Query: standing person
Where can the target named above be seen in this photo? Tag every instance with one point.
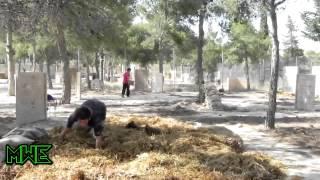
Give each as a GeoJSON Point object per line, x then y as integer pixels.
{"type": "Point", "coordinates": [126, 85]}
{"type": "Point", "coordinates": [90, 117]}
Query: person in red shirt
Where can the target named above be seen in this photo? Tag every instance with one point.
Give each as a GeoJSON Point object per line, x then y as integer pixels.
{"type": "Point", "coordinates": [126, 85]}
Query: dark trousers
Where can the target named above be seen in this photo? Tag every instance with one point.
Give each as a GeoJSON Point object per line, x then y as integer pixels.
{"type": "Point", "coordinates": [126, 87]}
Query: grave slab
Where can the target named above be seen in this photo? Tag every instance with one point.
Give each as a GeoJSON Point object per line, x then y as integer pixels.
{"type": "Point", "coordinates": [305, 92]}
{"type": "Point", "coordinates": [141, 80]}
{"type": "Point", "coordinates": [157, 83]}
{"type": "Point", "coordinates": [31, 97]}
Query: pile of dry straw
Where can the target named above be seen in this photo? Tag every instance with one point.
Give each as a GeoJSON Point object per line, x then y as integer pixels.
{"type": "Point", "coordinates": [179, 152]}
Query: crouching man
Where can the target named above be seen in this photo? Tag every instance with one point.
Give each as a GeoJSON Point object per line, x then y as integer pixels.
{"type": "Point", "coordinates": [90, 116]}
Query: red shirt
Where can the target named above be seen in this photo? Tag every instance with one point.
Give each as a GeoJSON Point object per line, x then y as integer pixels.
{"type": "Point", "coordinates": [126, 77]}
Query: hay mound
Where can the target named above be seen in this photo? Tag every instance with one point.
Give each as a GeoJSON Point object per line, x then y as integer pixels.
{"type": "Point", "coordinates": [180, 151]}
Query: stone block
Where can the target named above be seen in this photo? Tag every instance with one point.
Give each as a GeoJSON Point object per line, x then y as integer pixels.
{"type": "Point", "coordinates": [235, 84]}
{"type": "Point", "coordinates": [157, 83]}
{"type": "Point", "coordinates": [141, 80]}
{"type": "Point", "coordinates": [305, 92]}
{"type": "Point", "coordinates": [31, 97]}
{"type": "Point", "coordinates": [58, 77]}
{"type": "Point", "coordinates": [3, 76]}
{"type": "Point", "coordinates": [73, 76]}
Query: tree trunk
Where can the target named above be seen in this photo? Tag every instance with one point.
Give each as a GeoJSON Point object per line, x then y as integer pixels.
{"type": "Point", "coordinates": [34, 56]}
{"type": "Point", "coordinates": [78, 61]}
{"type": "Point", "coordinates": [88, 74]}
{"type": "Point", "coordinates": [160, 62]}
{"type": "Point", "coordinates": [11, 62]}
{"type": "Point", "coordinates": [19, 66]}
{"type": "Point", "coordinates": [270, 121]}
{"type": "Point", "coordinates": [200, 80]}
{"type": "Point", "coordinates": [66, 97]}
{"type": "Point", "coordinates": [97, 64]}
{"type": "Point", "coordinates": [126, 58]}
{"type": "Point", "coordinates": [247, 73]}
{"type": "Point", "coordinates": [102, 69]}
{"type": "Point", "coordinates": [41, 66]}
{"type": "Point", "coordinates": [49, 75]}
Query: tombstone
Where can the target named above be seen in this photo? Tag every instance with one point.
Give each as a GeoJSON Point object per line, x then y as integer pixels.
{"type": "Point", "coordinates": [141, 80]}
{"type": "Point", "coordinates": [305, 85]}
{"type": "Point", "coordinates": [31, 97]}
{"type": "Point", "coordinates": [305, 92]}
{"type": "Point", "coordinates": [73, 77]}
{"type": "Point", "coordinates": [157, 83]}
{"type": "Point", "coordinates": [304, 65]}
{"type": "Point", "coordinates": [234, 84]}
{"type": "Point", "coordinates": [78, 86]}
{"type": "Point", "coordinates": [58, 77]}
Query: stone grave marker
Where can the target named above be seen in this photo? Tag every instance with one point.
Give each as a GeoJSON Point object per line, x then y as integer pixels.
{"type": "Point", "coordinates": [31, 97]}
{"type": "Point", "coordinates": [157, 83]}
{"type": "Point", "coordinates": [141, 80]}
{"type": "Point", "coordinates": [305, 92]}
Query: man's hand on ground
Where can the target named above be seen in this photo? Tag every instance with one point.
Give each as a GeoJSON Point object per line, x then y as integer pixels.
{"type": "Point", "coordinates": [64, 133]}
{"type": "Point", "coordinates": [98, 142]}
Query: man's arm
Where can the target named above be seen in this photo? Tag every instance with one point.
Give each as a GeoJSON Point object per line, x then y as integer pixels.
{"type": "Point", "coordinates": [98, 134]}
{"type": "Point", "coordinates": [70, 122]}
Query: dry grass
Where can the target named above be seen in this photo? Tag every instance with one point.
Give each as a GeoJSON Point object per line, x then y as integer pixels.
{"type": "Point", "coordinates": [179, 152]}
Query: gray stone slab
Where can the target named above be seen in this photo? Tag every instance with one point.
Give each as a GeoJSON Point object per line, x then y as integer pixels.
{"type": "Point", "coordinates": [235, 84]}
{"type": "Point", "coordinates": [58, 77]}
{"type": "Point", "coordinates": [31, 97]}
{"type": "Point", "coordinates": [141, 80]}
{"type": "Point", "coordinates": [73, 76]}
{"type": "Point", "coordinates": [157, 83]}
{"type": "Point", "coordinates": [305, 92]}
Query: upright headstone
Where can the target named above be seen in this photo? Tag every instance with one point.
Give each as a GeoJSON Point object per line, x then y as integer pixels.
{"type": "Point", "coordinates": [58, 77]}
{"type": "Point", "coordinates": [141, 80]}
{"type": "Point", "coordinates": [305, 86]}
{"type": "Point", "coordinates": [78, 86]}
{"type": "Point", "coordinates": [235, 84]}
{"type": "Point", "coordinates": [73, 76]}
{"type": "Point", "coordinates": [31, 97]}
{"type": "Point", "coordinates": [157, 83]}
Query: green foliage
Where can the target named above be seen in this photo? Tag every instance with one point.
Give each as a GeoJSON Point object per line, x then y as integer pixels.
{"type": "Point", "coordinates": [246, 42]}
{"type": "Point", "coordinates": [292, 49]}
{"type": "Point", "coordinates": [212, 54]}
{"type": "Point", "coordinates": [312, 22]}
{"type": "Point", "coordinates": [314, 56]}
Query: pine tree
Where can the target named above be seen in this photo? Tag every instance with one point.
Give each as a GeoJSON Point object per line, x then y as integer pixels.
{"type": "Point", "coordinates": [292, 50]}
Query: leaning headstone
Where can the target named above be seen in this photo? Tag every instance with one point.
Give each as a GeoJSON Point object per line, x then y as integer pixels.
{"type": "Point", "coordinates": [305, 92]}
{"type": "Point", "coordinates": [31, 97]}
{"type": "Point", "coordinates": [213, 98]}
{"type": "Point", "coordinates": [141, 80]}
{"type": "Point", "coordinates": [157, 83]}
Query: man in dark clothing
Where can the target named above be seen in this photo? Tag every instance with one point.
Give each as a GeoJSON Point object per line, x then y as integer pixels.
{"type": "Point", "coordinates": [91, 115]}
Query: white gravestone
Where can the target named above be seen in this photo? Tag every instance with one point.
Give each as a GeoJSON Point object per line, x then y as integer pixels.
{"type": "Point", "coordinates": [31, 97]}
